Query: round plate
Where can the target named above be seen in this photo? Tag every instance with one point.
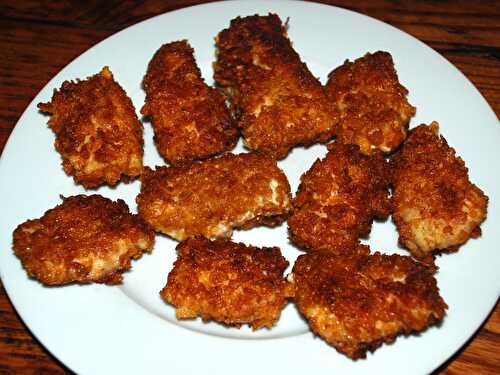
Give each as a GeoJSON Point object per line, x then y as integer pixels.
{"type": "Point", "coordinates": [127, 329]}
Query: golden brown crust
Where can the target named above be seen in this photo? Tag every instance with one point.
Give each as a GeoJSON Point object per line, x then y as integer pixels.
{"type": "Point", "coordinates": [213, 197]}
{"type": "Point", "coordinates": [97, 130]}
{"type": "Point", "coordinates": [278, 102]}
{"type": "Point", "coordinates": [357, 302]}
{"type": "Point", "coordinates": [190, 119]}
{"type": "Point", "coordinates": [338, 198]}
{"type": "Point", "coordinates": [436, 207]}
{"type": "Point", "coordinates": [227, 282]}
{"type": "Point", "coordinates": [84, 239]}
{"type": "Point", "coordinates": [372, 103]}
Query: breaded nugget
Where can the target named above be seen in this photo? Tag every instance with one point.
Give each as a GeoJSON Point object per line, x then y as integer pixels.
{"type": "Point", "coordinates": [97, 131]}
{"type": "Point", "coordinates": [227, 282]}
{"type": "Point", "coordinates": [213, 197]}
{"type": "Point", "coordinates": [84, 239]}
{"type": "Point", "coordinates": [338, 198]}
{"type": "Point", "coordinates": [372, 103]}
{"type": "Point", "coordinates": [357, 302]}
{"type": "Point", "coordinates": [436, 207]}
{"type": "Point", "coordinates": [278, 102]}
{"type": "Point", "coordinates": [190, 119]}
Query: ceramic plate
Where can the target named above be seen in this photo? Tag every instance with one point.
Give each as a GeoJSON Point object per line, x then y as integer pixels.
{"type": "Point", "coordinates": [127, 329]}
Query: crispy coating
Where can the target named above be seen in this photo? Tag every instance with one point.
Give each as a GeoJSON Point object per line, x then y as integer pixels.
{"type": "Point", "coordinates": [227, 282]}
{"type": "Point", "coordinates": [338, 198]}
{"type": "Point", "coordinates": [213, 197]}
{"type": "Point", "coordinates": [278, 102]}
{"type": "Point", "coordinates": [356, 302]}
{"type": "Point", "coordinates": [436, 207]}
{"type": "Point", "coordinates": [190, 119]}
{"type": "Point", "coordinates": [97, 130]}
{"type": "Point", "coordinates": [372, 103]}
{"type": "Point", "coordinates": [84, 239]}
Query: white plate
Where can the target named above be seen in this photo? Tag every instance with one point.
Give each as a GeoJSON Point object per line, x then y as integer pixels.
{"type": "Point", "coordinates": [127, 329]}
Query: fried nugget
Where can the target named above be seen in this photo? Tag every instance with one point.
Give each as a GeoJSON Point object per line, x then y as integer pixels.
{"type": "Point", "coordinates": [213, 197]}
{"type": "Point", "coordinates": [190, 119]}
{"type": "Point", "coordinates": [356, 302]}
{"type": "Point", "coordinates": [338, 198]}
{"type": "Point", "coordinates": [227, 282]}
{"type": "Point", "coordinates": [374, 112]}
{"type": "Point", "coordinates": [84, 239]}
{"type": "Point", "coordinates": [436, 207]}
{"type": "Point", "coordinates": [97, 130]}
{"type": "Point", "coordinates": [278, 102]}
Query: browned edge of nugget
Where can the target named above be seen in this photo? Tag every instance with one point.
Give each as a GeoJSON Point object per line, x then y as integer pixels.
{"type": "Point", "coordinates": [358, 302]}
{"type": "Point", "coordinates": [279, 104]}
{"type": "Point", "coordinates": [372, 103]}
{"type": "Point", "coordinates": [190, 119]}
{"type": "Point", "coordinates": [227, 282]}
{"type": "Point", "coordinates": [436, 207]}
{"type": "Point", "coordinates": [338, 198]}
{"type": "Point", "coordinates": [97, 130]}
{"type": "Point", "coordinates": [84, 239]}
{"type": "Point", "coordinates": [213, 197]}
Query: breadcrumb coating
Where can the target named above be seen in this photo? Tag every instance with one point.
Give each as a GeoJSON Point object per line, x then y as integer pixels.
{"type": "Point", "coordinates": [190, 119]}
{"type": "Point", "coordinates": [97, 130]}
{"type": "Point", "coordinates": [227, 282]}
{"type": "Point", "coordinates": [338, 198]}
{"type": "Point", "coordinates": [213, 197]}
{"type": "Point", "coordinates": [279, 104]}
{"type": "Point", "coordinates": [374, 111]}
{"type": "Point", "coordinates": [84, 239]}
{"type": "Point", "coordinates": [436, 207]}
{"type": "Point", "coordinates": [356, 302]}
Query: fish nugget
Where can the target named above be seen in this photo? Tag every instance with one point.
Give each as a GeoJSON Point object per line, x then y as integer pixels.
{"type": "Point", "coordinates": [84, 239]}
{"type": "Point", "coordinates": [190, 119]}
{"type": "Point", "coordinates": [436, 207]}
{"type": "Point", "coordinates": [213, 197]}
{"type": "Point", "coordinates": [97, 130]}
{"type": "Point", "coordinates": [356, 302]}
{"type": "Point", "coordinates": [374, 111]}
{"type": "Point", "coordinates": [227, 282]}
{"type": "Point", "coordinates": [337, 199]}
{"type": "Point", "coordinates": [279, 104]}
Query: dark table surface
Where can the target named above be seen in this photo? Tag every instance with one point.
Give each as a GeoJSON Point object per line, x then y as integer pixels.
{"type": "Point", "coordinates": [38, 38]}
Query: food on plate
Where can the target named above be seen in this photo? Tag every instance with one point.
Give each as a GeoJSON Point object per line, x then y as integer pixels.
{"type": "Point", "coordinates": [374, 111]}
{"type": "Point", "coordinates": [356, 302]}
{"type": "Point", "coordinates": [84, 239]}
{"type": "Point", "coordinates": [278, 103]}
{"type": "Point", "coordinates": [190, 119]}
{"type": "Point", "coordinates": [338, 198]}
{"type": "Point", "coordinates": [213, 197]}
{"type": "Point", "coordinates": [97, 130]}
{"type": "Point", "coordinates": [227, 282]}
{"type": "Point", "coordinates": [436, 207]}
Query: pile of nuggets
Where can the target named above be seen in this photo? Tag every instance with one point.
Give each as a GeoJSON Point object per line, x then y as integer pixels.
{"type": "Point", "coordinates": [354, 299]}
